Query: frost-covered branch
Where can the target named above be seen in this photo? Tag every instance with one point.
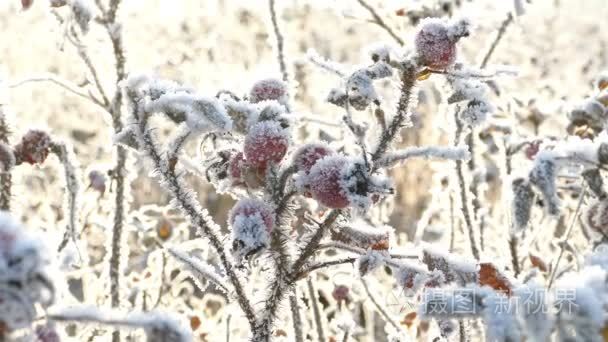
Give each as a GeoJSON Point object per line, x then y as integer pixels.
{"type": "Point", "coordinates": [199, 269]}
{"type": "Point", "coordinates": [449, 153]}
{"type": "Point", "coordinates": [185, 200]}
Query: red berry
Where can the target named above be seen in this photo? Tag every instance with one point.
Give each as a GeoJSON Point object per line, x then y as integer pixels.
{"type": "Point", "coordinates": [307, 155]}
{"type": "Point", "coordinates": [97, 181]}
{"type": "Point", "coordinates": [269, 89]}
{"type": "Point", "coordinates": [340, 293]}
{"type": "Point", "coordinates": [34, 147]}
{"type": "Point", "coordinates": [251, 209]}
{"type": "Point", "coordinates": [265, 143]}
{"type": "Point", "coordinates": [532, 149]}
{"type": "Point", "coordinates": [236, 167]}
{"type": "Point", "coordinates": [326, 182]}
{"type": "Point", "coordinates": [434, 46]}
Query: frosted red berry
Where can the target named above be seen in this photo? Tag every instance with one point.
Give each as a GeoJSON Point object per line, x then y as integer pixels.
{"type": "Point", "coordinates": [266, 143]}
{"type": "Point", "coordinates": [434, 46]}
{"type": "Point", "coordinates": [250, 209]}
{"type": "Point", "coordinates": [34, 147]}
{"type": "Point", "coordinates": [236, 167]}
{"type": "Point", "coordinates": [325, 182]}
{"type": "Point", "coordinates": [307, 155]}
{"type": "Point", "coordinates": [268, 89]}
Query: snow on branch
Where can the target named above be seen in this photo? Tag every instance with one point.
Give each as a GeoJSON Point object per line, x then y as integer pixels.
{"type": "Point", "coordinates": [439, 152]}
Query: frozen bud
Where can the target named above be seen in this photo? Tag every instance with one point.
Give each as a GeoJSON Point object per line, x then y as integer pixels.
{"type": "Point", "coordinates": [242, 114]}
{"type": "Point", "coordinates": [360, 90]}
{"type": "Point", "coordinates": [380, 53]}
{"type": "Point", "coordinates": [236, 168]}
{"type": "Point", "coordinates": [380, 70]}
{"type": "Point", "coordinates": [206, 112]}
{"type": "Point", "coordinates": [83, 13]}
{"type": "Point", "coordinates": [265, 143]}
{"type": "Point", "coordinates": [542, 176]}
{"type": "Point", "coordinates": [436, 42]}
{"type": "Point", "coordinates": [251, 221]}
{"type": "Point", "coordinates": [337, 97]}
{"type": "Point", "coordinates": [307, 155]}
{"type": "Point", "coordinates": [7, 157]}
{"type": "Point", "coordinates": [97, 181]}
{"type": "Point", "coordinates": [269, 89]}
{"type": "Point", "coordinates": [34, 147]}
{"type": "Point", "coordinates": [340, 293]}
{"type": "Point", "coordinates": [476, 112]}
{"type": "Point", "coordinates": [273, 111]}
{"type": "Point", "coordinates": [523, 199]}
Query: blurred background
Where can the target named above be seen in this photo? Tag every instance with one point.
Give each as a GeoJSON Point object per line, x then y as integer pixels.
{"type": "Point", "coordinates": [556, 47]}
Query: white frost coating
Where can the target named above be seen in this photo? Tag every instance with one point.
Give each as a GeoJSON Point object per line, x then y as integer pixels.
{"type": "Point", "coordinates": [440, 152]}
{"type": "Point", "coordinates": [202, 113]}
{"type": "Point", "coordinates": [199, 270]}
{"type": "Point", "coordinates": [360, 89]}
{"type": "Point", "coordinates": [22, 261]}
{"type": "Point", "coordinates": [500, 317]}
{"type": "Point", "coordinates": [325, 64]}
{"type": "Point", "coordinates": [380, 70]}
{"type": "Point", "coordinates": [599, 257]}
{"type": "Point", "coordinates": [159, 327]}
{"type": "Point", "coordinates": [243, 113]}
{"type": "Point", "coordinates": [476, 112]}
{"type": "Point", "coordinates": [379, 51]}
{"type": "Point", "coordinates": [574, 151]}
{"type": "Point", "coordinates": [582, 297]}
{"type": "Point", "coordinates": [458, 28]}
{"type": "Point", "coordinates": [533, 305]}
{"type": "Point", "coordinates": [543, 176]}
{"type": "Point", "coordinates": [370, 261]}
{"type": "Point", "coordinates": [251, 221]}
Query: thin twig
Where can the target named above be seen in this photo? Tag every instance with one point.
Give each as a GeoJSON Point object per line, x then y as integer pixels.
{"type": "Point", "coordinates": [379, 307]}
{"type": "Point", "coordinates": [464, 192]}
{"type": "Point", "coordinates": [280, 41]}
{"type": "Point", "coordinates": [499, 35]}
{"type": "Point", "coordinates": [305, 271]}
{"type": "Point", "coordinates": [316, 311]}
{"type": "Point", "coordinates": [296, 317]}
{"type": "Point", "coordinates": [568, 233]}
{"type": "Point", "coordinates": [378, 19]}
{"type": "Point", "coordinates": [60, 82]}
